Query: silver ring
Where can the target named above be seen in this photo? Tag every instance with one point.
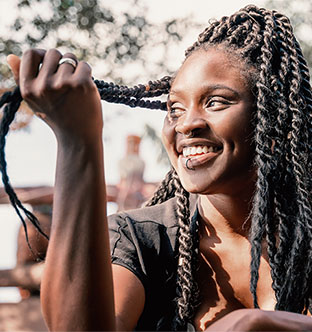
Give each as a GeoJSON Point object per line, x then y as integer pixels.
{"type": "Point", "coordinates": [187, 166]}
{"type": "Point", "coordinates": [70, 61]}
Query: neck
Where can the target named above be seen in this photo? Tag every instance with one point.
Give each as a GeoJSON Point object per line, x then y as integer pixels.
{"type": "Point", "coordinates": [228, 214]}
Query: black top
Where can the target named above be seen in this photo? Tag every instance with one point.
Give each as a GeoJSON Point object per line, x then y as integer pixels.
{"type": "Point", "coordinates": [145, 242]}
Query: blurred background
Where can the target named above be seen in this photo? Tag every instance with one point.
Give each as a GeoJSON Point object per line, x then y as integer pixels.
{"type": "Point", "coordinates": [127, 42]}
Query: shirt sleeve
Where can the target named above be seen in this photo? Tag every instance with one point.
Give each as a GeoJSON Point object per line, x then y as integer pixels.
{"type": "Point", "coordinates": [126, 247]}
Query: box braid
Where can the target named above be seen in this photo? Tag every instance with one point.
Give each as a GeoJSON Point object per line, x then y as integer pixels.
{"type": "Point", "coordinates": [279, 78]}
{"type": "Point", "coordinates": [188, 239]}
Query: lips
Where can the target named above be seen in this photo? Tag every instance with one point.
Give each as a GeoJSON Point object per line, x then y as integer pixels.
{"type": "Point", "coordinates": [198, 152]}
{"type": "Point", "coordinates": [191, 151]}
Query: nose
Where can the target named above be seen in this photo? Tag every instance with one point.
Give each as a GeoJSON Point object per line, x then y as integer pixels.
{"type": "Point", "coordinates": [191, 122]}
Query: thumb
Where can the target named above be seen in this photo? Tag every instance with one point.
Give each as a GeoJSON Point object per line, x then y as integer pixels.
{"type": "Point", "coordinates": [14, 62]}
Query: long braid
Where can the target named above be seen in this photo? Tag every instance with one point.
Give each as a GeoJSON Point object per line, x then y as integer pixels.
{"type": "Point", "coordinates": [12, 102]}
{"type": "Point", "coordinates": [187, 287]}
{"type": "Point", "coordinates": [277, 83]}
{"type": "Point", "coordinates": [262, 212]}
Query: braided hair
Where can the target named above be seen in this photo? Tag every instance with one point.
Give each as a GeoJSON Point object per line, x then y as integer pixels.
{"type": "Point", "coordinates": [282, 211]}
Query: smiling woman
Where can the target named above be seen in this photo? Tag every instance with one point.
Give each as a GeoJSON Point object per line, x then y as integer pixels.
{"type": "Point", "coordinates": [225, 242]}
{"type": "Point", "coordinates": [210, 98]}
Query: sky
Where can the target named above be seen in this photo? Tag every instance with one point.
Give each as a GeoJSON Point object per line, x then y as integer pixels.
{"type": "Point", "coordinates": [31, 154]}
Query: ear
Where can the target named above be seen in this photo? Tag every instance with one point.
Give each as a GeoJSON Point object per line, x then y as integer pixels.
{"type": "Point", "coordinates": [14, 62]}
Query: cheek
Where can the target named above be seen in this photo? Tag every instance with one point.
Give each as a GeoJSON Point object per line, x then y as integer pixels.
{"type": "Point", "coordinates": [237, 126]}
{"type": "Point", "coordinates": [168, 134]}
{"type": "Point", "coordinates": [169, 141]}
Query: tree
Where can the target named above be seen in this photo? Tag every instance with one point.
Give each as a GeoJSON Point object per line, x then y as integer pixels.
{"type": "Point", "coordinates": [118, 43]}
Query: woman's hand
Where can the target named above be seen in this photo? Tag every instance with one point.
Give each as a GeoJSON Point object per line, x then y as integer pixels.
{"type": "Point", "coordinates": [261, 320]}
{"type": "Point", "coordinates": [63, 96]}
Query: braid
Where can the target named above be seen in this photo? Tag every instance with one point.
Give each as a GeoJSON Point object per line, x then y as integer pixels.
{"type": "Point", "coordinates": [133, 96]}
{"type": "Point", "coordinates": [8, 115]}
{"type": "Point", "coordinates": [187, 288]}
{"type": "Point", "coordinates": [280, 139]}
{"type": "Point", "coordinates": [261, 213]}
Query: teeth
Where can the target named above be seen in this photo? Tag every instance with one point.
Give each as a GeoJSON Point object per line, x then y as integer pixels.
{"type": "Point", "coordinates": [199, 150]}
{"type": "Point", "coordinates": [194, 150]}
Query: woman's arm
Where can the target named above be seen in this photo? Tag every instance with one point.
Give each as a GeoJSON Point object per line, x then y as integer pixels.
{"type": "Point", "coordinates": [261, 320]}
{"type": "Point", "coordinates": [77, 286]}
{"type": "Point", "coordinates": [76, 289]}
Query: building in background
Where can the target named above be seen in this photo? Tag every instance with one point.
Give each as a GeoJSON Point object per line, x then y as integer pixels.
{"type": "Point", "coordinates": [131, 169]}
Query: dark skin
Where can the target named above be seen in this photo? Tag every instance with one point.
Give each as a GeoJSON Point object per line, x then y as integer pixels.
{"type": "Point", "coordinates": [210, 97]}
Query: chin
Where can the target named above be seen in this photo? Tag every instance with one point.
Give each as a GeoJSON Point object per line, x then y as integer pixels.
{"type": "Point", "coordinates": [218, 183]}
{"type": "Point", "coordinates": [196, 188]}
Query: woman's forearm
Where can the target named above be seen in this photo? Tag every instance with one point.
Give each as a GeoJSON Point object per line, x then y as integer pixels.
{"type": "Point", "coordinates": [261, 320]}
{"type": "Point", "coordinates": [283, 321]}
{"type": "Point", "coordinates": [77, 285]}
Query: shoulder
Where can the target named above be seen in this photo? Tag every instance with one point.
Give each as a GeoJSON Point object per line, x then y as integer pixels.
{"type": "Point", "coordinates": [145, 241]}
{"type": "Point", "coordinates": [149, 227]}
{"type": "Point", "coordinates": [164, 215]}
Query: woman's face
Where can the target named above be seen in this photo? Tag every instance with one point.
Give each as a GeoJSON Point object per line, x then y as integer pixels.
{"type": "Point", "coordinates": [210, 98]}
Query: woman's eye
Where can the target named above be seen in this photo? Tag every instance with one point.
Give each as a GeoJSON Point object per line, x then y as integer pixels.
{"type": "Point", "coordinates": [216, 103]}
{"type": "Point", "coordinates": [175, 110]}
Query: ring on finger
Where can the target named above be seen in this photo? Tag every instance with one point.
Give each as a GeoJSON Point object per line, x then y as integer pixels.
{"type": "Point", "coordinates": [70, 61]}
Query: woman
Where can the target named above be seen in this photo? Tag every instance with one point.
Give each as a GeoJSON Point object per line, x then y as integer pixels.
{"type": "Point", "coordinates": [234, 211]}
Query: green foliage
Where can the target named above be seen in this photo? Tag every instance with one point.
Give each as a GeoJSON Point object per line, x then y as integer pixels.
{"type": "Point", "coordinates": [109, 38]}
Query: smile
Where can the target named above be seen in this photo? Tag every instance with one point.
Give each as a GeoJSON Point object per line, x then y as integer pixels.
{"type": "Point", "coordinates": [192, 151]}
{"type": "Point", "coordinates": [198, 155]}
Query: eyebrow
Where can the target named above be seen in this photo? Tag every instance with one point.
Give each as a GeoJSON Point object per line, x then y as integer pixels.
{"type": "Point", "coordinates": [207, 88]}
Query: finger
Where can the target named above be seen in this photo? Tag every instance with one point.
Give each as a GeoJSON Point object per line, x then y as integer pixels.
{"type": "Point", "coordinates": [67, 68]}
{"type": "Point", "coordinates": [82, 78]}
{"type": "Point", "coordinates": [14, 63]}
{"type": "Point", "coordinates": [30, 62]}
{"type": "Point", "coordinates": [83, 73]}
{"type": "Point", "coordinates": [50, 63]}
